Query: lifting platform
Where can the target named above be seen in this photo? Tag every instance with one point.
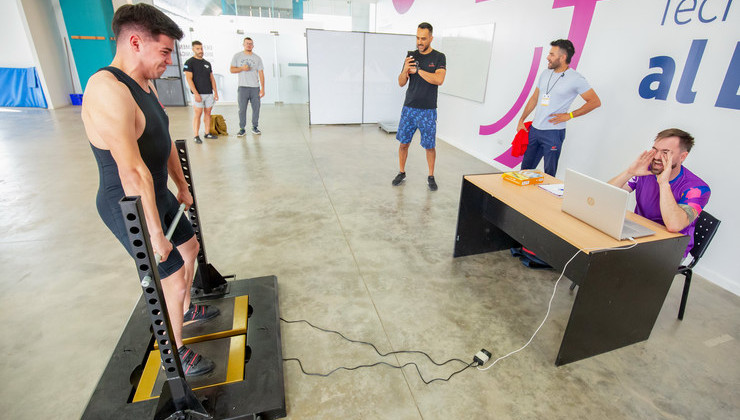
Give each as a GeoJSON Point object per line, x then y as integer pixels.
{"type": "Point", "coordinates": [143, 380]}
{"type": "Point", "coordinates": [388, 126]}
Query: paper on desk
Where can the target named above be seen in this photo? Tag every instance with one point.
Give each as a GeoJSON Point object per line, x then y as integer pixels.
{"type": "Point", "coordinates": [556, 189]}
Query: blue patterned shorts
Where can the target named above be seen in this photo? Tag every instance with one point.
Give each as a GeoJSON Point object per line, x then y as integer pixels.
{"type": "Point", "coordinates": [423, 119]}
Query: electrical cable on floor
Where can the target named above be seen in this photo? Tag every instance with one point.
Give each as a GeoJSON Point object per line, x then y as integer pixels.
{"type": "Point", "coordinates": [373, 345]}
{"type": "Point", "coordinates": [378, 364]}
{"type": "Point", "coordinates": [549, 304]}
{"type": "Point", "coordinates": [477, 360]}
{"type": "Point", "coordinates": [467, 365]}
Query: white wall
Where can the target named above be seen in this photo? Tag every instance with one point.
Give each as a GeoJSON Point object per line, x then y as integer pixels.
{"type": "Point", "coordinates": [622, 37]}
{"type": "Point", "coordinates": [221, 41]}
{"type": "Point", "coordinates": [69, 57]}
{"type": "Point", "coordinates": [47, 49]}
{"type": "Point", "coordinates": [14, 50]}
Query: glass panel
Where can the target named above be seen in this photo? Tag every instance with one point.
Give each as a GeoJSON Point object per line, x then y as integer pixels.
{"type": "Point", "coordinates": [292, 71]}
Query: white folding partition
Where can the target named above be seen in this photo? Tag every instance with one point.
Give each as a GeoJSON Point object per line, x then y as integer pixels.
{"type": "Point", "coordinates": [335, 66]}
{"type": "Point", "coordinates": [353, 76]}
{"type": "Point", "coordinates": [384, 55]}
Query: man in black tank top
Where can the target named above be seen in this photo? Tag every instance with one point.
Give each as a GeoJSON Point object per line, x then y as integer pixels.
{"type": "Point", "coordinates": [129, 135]}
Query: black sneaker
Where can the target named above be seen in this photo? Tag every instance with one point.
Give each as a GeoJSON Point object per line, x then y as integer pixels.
{"type": "Point", "coordinates": [198, 140]}
{"type": "Point", "coordinates": [256, 130]}
{"type": "Point", "coordinates": [198, 313]}
{"type": "Point", "coordinates": [241, 133]}
{"type": "Point", "coordinates": [194, 364]}
{"type": "Point", "coordinates": [398, 179]}
{"type": "Point", "coordinates": [210, 136]}
{"type": "Point", "coordinates": [432, 183]}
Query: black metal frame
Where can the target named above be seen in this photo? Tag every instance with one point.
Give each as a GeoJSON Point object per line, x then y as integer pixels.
{"type": "Point", "coordinates": [177, 399]}
{"type": "Point", "coordinates": [160, 83]}
{"type": "Point", "coordinates": [208, 281]}
{"type": "Point", "coordinates": [261, 392]}
{"type": "Point", "coordinates": [621, 292]}
{"type": "Point", "coordinates": [704, 231]}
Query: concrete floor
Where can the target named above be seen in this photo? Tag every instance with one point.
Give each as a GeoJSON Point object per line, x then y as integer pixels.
{"type": "Point", "coordinates": [314, 206]}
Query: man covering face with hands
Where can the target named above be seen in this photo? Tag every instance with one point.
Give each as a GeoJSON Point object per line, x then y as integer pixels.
{"type": "Point", "coordinates": [666, 191]}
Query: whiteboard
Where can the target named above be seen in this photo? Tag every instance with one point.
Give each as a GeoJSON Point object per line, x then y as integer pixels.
{"type": "Point", "coordinates": [384, 55]}
{"type": "Point", "coordinates": [468, 51]}
{"type": "Point", "coordinates": [335, 67]}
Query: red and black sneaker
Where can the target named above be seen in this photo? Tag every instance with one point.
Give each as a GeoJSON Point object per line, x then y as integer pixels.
{"type": "Point", "coordinates": [199, 313]}
{"type": "Point", "coordinates": [193, 364]}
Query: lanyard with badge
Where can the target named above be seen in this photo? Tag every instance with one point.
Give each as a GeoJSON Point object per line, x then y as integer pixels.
{"type": "Point", "coordinates": [546, 96]}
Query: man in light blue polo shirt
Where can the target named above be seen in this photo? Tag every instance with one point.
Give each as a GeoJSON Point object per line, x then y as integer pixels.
{"type": "Point", "coordinates": [556, 89]}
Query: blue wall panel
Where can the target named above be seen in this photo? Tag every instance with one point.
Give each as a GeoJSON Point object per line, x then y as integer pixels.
{"type": "Point", "coordinates": [89, 18]}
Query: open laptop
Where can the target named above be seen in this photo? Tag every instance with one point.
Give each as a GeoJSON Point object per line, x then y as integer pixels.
{"type": "Point", "coordinates": [601, 205]}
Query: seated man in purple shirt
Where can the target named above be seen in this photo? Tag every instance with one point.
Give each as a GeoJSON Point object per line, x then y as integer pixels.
{"type": "Point", "coordinates": [666, 191]}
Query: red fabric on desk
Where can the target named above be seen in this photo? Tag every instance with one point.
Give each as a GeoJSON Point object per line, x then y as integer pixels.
{"type": "Point", "coordinates": [521, 140]}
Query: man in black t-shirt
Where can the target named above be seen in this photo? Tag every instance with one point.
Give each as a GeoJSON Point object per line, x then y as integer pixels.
{"type": "Point", "coordinates": [199, 75]}
{"type": "Point", "coordinates": [424, 70]}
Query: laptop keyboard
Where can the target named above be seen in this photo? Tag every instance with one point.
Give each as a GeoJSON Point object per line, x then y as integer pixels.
{"type": "Point", "coordinates": [634, 230]}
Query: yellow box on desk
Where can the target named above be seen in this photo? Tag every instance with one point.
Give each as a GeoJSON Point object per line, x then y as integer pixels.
{"type": "Point", "coordinates": [526, 177]}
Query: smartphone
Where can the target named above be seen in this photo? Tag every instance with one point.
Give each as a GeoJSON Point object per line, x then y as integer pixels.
{"type": "Point", "coordinates": [413, 55]}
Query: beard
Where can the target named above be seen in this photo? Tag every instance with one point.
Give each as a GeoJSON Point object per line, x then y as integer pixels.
{"type": "Point", "coordinates": [657, 167]}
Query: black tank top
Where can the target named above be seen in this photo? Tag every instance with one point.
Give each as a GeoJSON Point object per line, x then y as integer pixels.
{"type": "Point", "coordinates": [154, 144]}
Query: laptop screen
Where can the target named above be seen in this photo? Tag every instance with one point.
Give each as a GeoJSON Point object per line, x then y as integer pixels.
{"type": "Point", "coordinates": [595, 202]}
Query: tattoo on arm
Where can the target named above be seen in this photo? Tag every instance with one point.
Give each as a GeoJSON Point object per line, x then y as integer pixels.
{"type": "Point", "coordinates": [690, 212]}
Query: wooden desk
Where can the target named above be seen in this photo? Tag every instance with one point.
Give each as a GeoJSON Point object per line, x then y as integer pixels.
{"type": "Point", "coordinates": [620, 292]}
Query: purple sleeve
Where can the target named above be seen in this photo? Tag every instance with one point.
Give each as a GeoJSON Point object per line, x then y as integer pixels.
{"type": "Point", "coordinates": [632, 183]}
{"type": "Point", "coordinates": [696, 198]}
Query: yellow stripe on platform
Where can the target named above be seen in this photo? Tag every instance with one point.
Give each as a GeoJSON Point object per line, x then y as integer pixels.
{"type": "Point", "coordinates": [239, 324]}
{"type": "Point", "coordinates": [241, 308]}
{"type": "Point", "coordinates": [148, 377]}
{"type": "Point", "coordinates": [234, 370]}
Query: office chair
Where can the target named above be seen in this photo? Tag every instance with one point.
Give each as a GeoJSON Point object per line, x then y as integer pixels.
{"type": "Point", "coordinates": [704, 230]}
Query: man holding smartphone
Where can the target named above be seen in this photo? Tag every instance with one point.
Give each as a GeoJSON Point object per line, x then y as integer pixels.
{"type": "Point", "coordinates": [424, 70]}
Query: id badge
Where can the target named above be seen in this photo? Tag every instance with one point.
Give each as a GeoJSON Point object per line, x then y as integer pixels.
{"type": "Point", "coordinates": [545, 100]}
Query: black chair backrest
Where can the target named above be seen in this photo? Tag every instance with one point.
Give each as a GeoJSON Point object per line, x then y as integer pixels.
{"type": "Point", "coordinates": [704, 230]}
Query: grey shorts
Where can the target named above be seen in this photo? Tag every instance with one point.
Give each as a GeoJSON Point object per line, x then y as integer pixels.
{"type": "Point", "coordinates": [206, 101]}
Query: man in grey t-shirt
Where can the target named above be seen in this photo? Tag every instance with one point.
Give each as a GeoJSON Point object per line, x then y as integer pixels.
{"type": "Point", "coordinates": [251, 85]}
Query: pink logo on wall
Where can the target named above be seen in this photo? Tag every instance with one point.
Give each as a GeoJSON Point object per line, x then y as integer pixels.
{"type": "Point", "coordinates": [402, 6]}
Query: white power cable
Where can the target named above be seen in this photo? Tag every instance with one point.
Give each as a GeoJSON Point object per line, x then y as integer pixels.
{"type": "Point", "coordinates": [549, 304]}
